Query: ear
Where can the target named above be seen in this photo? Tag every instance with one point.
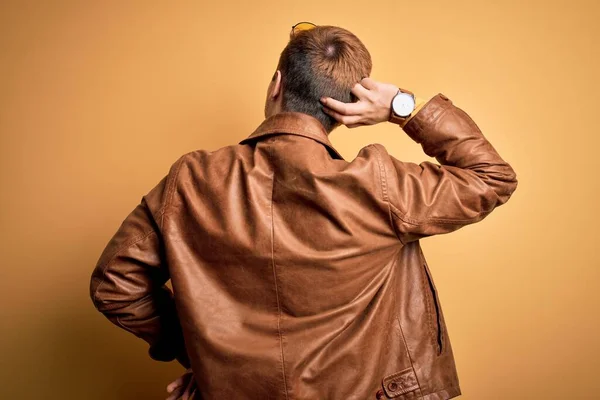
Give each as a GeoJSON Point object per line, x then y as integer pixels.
{"type": "Point", "coordinates": [276, 85]}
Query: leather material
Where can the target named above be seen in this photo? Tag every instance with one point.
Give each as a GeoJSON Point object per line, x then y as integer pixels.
{"type": "Point", "coordinates": [297, 274]}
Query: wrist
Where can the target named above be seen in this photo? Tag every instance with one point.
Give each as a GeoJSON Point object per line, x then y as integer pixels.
{"type": "Point", "coordinates": [419, 103]}
{"type": "Point", "coordinates": [402, 107]}
{"type": "Point", "coordinates": [402, 121]}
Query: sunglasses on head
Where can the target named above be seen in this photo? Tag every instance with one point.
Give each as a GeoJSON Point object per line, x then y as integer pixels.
{"type": "Point", "coordinates": [301, 26]}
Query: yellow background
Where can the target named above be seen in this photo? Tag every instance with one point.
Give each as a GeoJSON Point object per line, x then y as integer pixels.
{"type": "Point", "coordinates": [98, 99]}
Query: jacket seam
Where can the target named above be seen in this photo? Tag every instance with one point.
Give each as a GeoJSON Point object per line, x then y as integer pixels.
{"type": "Point", "coordinates": [381, 173]}
{"type": "Point", "coordinates": [412, 365]}
{"type": "Point", "coordinates": [275, 281]}
{"type": "Point", "coordinates": [429, 304]}
{"type": "Point", "coordinates": [397, 213]}
{"type": "Point", "coordinates": [171, 190]}
{"type": "Point", "coordinates": [383, 182]}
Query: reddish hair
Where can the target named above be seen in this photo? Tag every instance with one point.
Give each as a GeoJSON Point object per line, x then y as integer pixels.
{"type": "Point", "coordinates": [323, 61]}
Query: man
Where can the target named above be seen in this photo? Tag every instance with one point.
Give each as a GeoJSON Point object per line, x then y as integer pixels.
{"type": "Point", "coordinates": [297, 274]}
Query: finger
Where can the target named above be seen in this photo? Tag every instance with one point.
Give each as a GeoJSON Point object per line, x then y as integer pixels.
{"type": "Point", "coordinates": [173, 387]}
{"type": "Point", "coordinates": [175, 384]}
{"type": "Point", "coordinates": [341, 107]}
{"type": "Point", "coordinates": [176, 394]}
{"type": "Point", "coordinates": [361, 92]}
{"type": "Point", "coordinates": [182, 390]}
{"type": "Point", "coordinates": [368, 83]}
{"type": "Point", "coordinates": [188, 391]}
{"type": "Point", "coordinates": [344, 119]}
{"type": "Point", "coordinates": [351, 126]}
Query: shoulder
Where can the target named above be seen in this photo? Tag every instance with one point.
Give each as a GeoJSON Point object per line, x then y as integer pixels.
{"type": "Point", "coordinates": [202, 165]}
{"type": "Point", "coordinates": [374, 152]}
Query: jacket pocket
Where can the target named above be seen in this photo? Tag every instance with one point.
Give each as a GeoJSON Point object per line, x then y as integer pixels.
{"type": "Point", "coordinates": [434, 311]}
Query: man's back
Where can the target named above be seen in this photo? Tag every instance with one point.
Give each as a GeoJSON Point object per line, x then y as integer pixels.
{"type": "Point", "coordinates": [297, 274]}
{"type": "Point", "coordinates": [284, 267]}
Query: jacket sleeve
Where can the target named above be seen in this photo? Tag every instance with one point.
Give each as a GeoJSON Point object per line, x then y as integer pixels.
{"type": "Point", "coordinates": [427, 199]}
{"type": "Point", "coordinates": [128, 281]}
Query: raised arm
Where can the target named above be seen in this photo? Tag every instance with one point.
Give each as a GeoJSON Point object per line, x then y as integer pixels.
{"type": "Point", "coordinates": [427, 199]}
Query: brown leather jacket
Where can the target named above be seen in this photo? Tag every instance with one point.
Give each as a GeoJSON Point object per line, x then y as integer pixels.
{"type": "Point", "coordinates": [297, 274]}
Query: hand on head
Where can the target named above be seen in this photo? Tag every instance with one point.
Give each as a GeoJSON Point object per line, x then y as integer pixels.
{"type": "Point", "coordinates": [373, 105]}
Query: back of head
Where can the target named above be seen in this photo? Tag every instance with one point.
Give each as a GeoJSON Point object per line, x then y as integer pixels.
{"type": "Point", "coordinates": [323, 61]}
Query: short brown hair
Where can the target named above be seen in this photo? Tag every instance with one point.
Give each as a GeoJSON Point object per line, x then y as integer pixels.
{"type": "Point", "coordinates": [323, 61]}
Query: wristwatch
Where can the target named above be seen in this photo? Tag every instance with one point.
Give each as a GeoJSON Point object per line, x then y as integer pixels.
{"type": "Point", "coordinates": [403, 105]}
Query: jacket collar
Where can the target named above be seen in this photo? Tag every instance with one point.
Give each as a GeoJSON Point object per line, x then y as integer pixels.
{"type": "Point", "coordinates": [294, 123]}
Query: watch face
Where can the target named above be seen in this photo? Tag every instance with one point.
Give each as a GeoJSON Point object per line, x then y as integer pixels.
{"type": "Point", "coordinates": [403, 104]}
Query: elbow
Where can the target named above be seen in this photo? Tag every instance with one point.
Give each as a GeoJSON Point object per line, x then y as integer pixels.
{"type": "Point", "coordinates": [95, 294]}
{"type": "Point", "coordinates": [114, 289]}
{"type": "Point", "coordinates": [512, 181]}
{"type": "Point", "coordinates": [507, 185]}
{"type": "Point", "coordinates": [104, 293]}
{"type": "Point", "coordinates": [500, 184]}
{"type": "Point", "coordinates": [513, 185]}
